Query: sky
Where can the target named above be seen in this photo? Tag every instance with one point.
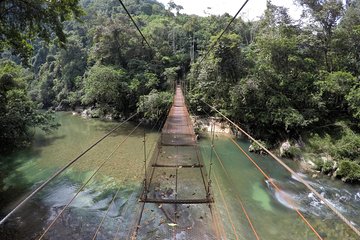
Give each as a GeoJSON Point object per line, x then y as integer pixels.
{"type": "Point", "coordinates": [253, 9]}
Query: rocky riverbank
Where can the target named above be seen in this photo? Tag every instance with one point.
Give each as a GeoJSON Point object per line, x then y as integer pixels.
{"type": "Point", "coordinates": [94, 113]}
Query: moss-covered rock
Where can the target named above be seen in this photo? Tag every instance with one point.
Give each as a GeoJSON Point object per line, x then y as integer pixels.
{"type": "Point", "coordinates": [254, 147]}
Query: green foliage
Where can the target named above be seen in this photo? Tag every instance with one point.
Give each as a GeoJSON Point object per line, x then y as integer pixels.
{"type": "Point", "coordinates": [23, 21]}
{"type": "Point", "coordinates": [254, 147]}
{"type": "Point", "coordinates": [335, 87]}
{"type": "Point", "coordinates": [342, 144]}
{"type": "Point", "coordinates": [269, 94]}
{"type": "Point", "coordinates": [106, 87]}
{"type": "Point", "coordinates": [319, 163]}
{"type": "Point", "coordinates": [353, 99]}
{"type": "Point", "coordinates": [19, 116]}
{"type": "Point", "coordinates": [321, 144]}
{"type": "Point", "coordinates": [327, 167]}
{"type": "Point", "coordinates": [346, 41]}
{"type": "Point", "coordinates": [278, 78]}
{"type": "Point", "coordinates": [336, 83]}
{"type": "Point", "coordinates": [292, 152]}
{"type": "Point", "coordinates": [327, 14]}
{"type": "Point", "coordinates": [154, 105]}
{"type": "Point", "coordinates": [349, 171]}
{"type": "Point", "coordinates": [171, 75]}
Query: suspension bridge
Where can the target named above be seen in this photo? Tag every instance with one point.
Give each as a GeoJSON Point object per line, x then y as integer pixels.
{"type": "Point", "coordinates": [176, 179]}
{"type": "Point", "coordinates": [177, 194]}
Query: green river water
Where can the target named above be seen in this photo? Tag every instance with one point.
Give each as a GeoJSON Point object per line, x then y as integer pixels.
{"type": "Point", "coordinates": [272, 217]}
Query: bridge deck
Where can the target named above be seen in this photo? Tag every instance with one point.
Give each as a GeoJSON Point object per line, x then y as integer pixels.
{"type": "Point", "coordinates": [175, 197]}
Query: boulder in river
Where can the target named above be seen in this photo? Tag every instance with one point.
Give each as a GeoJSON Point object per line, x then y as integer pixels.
{"type": "Point", "coordinates": [284, 148]}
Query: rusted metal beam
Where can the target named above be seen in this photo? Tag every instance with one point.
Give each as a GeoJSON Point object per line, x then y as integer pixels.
{"type": "Point", "coordinates": [177, 201]}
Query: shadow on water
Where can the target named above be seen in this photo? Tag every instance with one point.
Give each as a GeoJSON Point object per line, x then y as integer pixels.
{"type": "Point", "coordinates": [14, 183]}
{"type": "Point", "coordinates": [45, 141]}
{"type": "Point", "coordinates": [8, 173]}
{"type": "Point", "coordinates": [13, 186]}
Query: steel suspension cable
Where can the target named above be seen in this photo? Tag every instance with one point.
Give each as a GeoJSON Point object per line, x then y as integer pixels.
{"type": "Point", "coordinates": [63, 169]}
{"type": "Point", "coordinates": [215, 214]}
{"type": "Point", "coordinates": [232, 182]}
{"type": "Point", "coordinates": [290, 201]}
{"type": "Point", "coordinates": [222, 33]}
{"type": "Point", "coordinates": [203, 176]}
{"type": "Point", "coordinates": [272, 183]}
{"type": "Point", "coordinates": [133, 234]}
{"type": "Point", "coordinates": [211, 154]}
{"type": "Point", "coordinates": [208, 192]}
{"type": "Point", "coordinates": [275, 186]}
{"type": "Point", "coordinates": [87, 181]}
{"type": "Point", "coordinates": [106, 213]}
{"type": "Point", "coordinates": [160, 128]}
{"type": "Point", "coordinates": [226, 207]}
{"type": "Point", "coordinates": [237, 195]}
{"type": "Point", "coordinates": [341, 216]}
{"type": "Point", "coordinates": [127, 206]}
{"type": "Point", "coordinates": [113, 200]}
{"type": "Point", "coordinates": [216, 218]}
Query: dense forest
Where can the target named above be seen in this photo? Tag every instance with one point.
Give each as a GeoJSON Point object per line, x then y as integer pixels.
{"type": "Point", "coordinates": [281, 79]}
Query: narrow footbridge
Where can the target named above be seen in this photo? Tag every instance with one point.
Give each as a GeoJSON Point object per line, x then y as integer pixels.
{"type": "Point", "coordinates": [176, 186]}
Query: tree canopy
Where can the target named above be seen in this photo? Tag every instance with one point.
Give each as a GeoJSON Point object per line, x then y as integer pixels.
{"type": "Point", "coordinates": [21, 21]}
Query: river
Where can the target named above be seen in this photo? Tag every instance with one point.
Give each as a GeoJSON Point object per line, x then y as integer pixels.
{"type": "Point", "coordinates": [272, 216]}
{"type": "Point", "coordinates": [272, 212]}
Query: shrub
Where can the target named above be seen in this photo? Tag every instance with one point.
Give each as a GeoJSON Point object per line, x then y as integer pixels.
{"type": "Point", "coordinates": [349, 171]}
{"type": "Point", "coordinates": [292, 152]}
{"type": "Point", "coordinates": [327, 167]}
{"type": "Point", "coordinates": [154, 105]}
{"type": "Point", "coordinates": [319, 164]}
{"type": "Point", "coordinates": [254, 147]}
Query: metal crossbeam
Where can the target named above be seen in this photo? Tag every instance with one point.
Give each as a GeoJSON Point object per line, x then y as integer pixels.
{"type": "Point", "coordinates": [178, 165]}
{"type": "Point", "coordinates": [178, 201]}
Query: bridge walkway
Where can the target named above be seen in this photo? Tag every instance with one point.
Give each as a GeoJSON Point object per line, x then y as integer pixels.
{"type": "Point", "coordinates": [176, 198]}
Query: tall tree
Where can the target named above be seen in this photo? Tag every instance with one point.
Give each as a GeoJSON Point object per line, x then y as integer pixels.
{"type": "Point", "coordinates": [18, 113]}
{"type": "Point", "coordinates": [327, 14]}
{"type": "Point", "coordinates": [23, 20]}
